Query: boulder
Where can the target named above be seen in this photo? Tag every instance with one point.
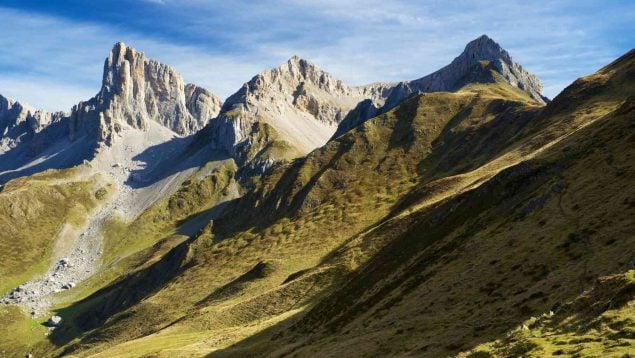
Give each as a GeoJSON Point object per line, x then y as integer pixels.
{"type": "Point", "coordinates": [63, 262]}
{"type": "Point", "coordinates": [54, 321]}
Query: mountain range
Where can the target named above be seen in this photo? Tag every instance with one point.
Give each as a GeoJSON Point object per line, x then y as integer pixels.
{"type": "Point", "coordinates": [462, 213]}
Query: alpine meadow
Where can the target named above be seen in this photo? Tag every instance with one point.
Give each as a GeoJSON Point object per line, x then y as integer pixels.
{"type": "Point", "coordinates": [459, 214]}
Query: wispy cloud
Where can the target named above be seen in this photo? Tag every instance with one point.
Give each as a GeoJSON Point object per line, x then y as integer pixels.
{"type": "Point", "coordinates": [220, 44]}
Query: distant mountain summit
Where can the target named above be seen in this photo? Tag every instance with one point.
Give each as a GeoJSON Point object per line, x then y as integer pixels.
{"type": "Point", "coordinates": [136, 90]}
{"type": "Point", "coordinates": [451, 77]}
{"type": "Point", "coordinates": [480, 49]}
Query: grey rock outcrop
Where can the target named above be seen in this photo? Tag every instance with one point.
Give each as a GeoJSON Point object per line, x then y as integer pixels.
{"type": "Point", "coordinates": [18, 121]}
{"type": "Point", "coordinates": [202, 104]}
{"type": "Point", "coordinates": [139, 98]}
{"type": "Point", "coordinates": [301, 102]}
{"type": "Point", "coordinates": [136, 90]}
{"type": "Point", "coordinates": [54, 321]}
{"type": "Point", "coordinates": [480, 49]}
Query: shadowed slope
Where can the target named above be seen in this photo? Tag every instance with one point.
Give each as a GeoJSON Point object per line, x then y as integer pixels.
{"type": "Point", "coordinates": [429, 230]}
{"type": "Point", "coordinates": [467, 270]}
{"type": "Point", "coordinates": [355, 182]}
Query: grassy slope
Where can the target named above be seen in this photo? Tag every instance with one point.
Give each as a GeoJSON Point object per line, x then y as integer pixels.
{"type": "Point", "coordinates": [394, 216]}
{"type": "Point", "coordinates": [599, 322]}
{"type": "Point", "coordinates": [41, 204]}
{"type": "Point", "coordinates": [33, 211]}
{"type": "Point", "coordinates": [528, 241]}
{"type": "Point", "coordinates": [310, 194]}
{"type": "Point", "coordinates": [19, 332]}
{"type": "Point", "coordinates": [162, 218]}
{"type": "Point", "coordinates": [473, 268]}
{"type": "Point", "coordinates": [132, 246]}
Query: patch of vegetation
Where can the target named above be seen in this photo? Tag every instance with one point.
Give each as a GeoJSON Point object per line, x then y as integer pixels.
{"type": "Point", "coordinates": [20, 333]}
{"type": "Point", "coordinates": [101, 193]}
{"type": "Point", "coordinates": [33, 212]}
{"type": "Point", "coordinates": [599, 323]}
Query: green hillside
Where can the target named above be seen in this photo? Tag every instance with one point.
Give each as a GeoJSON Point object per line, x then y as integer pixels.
{"type": "Point", "coordinates": [36, 211]}
{"type": "Point", "coordinates": [473, 223]}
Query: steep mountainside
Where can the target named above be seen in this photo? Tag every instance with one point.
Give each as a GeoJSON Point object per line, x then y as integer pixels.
{"type": "Point", "coordinates": [136, 90]}
{"type": "Point", "coordinates": [436, 228]}
{"type": "Point", "coordinates": [302, 104]}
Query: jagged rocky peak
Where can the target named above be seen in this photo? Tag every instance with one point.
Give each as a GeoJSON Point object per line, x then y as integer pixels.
{"type": "Point", "coordinates": [450, 78]}
{"type": "Point", "coordinates": [14, 113]}
{"type": "Point", "coordinates": [136, 90]}
{"type": "Point", "coordinates": [484, 48]}
{"type": "Point", "coordinates": [18, 119]}
{"type": "Point", "coordinates": [481, 49]}
{"type": "Point", "coordinates": [300, 101]}
{"type": "Point", "coordinates": [294, 78]}
{"type": "Point", "coordinates": [201, 103]}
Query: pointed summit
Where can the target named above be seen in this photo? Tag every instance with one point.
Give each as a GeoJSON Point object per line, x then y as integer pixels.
{"type": "Point", "coordinates": [465, 68]}
{"type": "Point", "coordinates": [451, 76]}
{"type": "Point", "coordinates": [301, 102]}
{"type": "Point", "coordinates": [484, 48]}
{"type": "Point", "coordinates": [295, 59]}
{"type": "Point", "coordinates": [18, 119]}
{"type": "Point", "coordinates": [137, 90]}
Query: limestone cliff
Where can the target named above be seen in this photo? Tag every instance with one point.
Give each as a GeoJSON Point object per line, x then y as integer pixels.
{"type": "Point", "coordinates": [136, 90]}
{"type": "Point", "coordinates": [301, 102]}
{"type": "Point", "coordinates": [18, 121]}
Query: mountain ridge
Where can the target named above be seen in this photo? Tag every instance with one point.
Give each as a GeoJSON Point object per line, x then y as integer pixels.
{"type": "Point", "coordinates": [298, 99]}
{"type": "Point", "coordinates": [472, 221]}
{"type": "Point", "coordinates": [18, 119]}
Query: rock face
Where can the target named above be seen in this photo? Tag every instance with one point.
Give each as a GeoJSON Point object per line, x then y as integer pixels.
{"type": "Point", "coordinates": [18, 121]}
{"type": "Point", "coordinates": [480, 49]}
{"type": "Point", "coordinates": [450, 77]}
{"type": "Point", "coordinates": [302, 103]}
{"type": "Point", "coordinates": [202, 104]}
{"type": "Point", "coordinates": [136, 90]}
{"type": "Point", "coordinates": [307, 106]}
{"type": "Point", "coordinates": [141, 103]}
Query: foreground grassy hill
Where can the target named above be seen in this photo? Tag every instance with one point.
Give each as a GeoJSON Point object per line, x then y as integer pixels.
{"type": "Point", "coordinates": [34, 212]}
{"type": "Point", "coordinates": [551, 233]}
{"type": "Point", "coordinates": [438, 228]}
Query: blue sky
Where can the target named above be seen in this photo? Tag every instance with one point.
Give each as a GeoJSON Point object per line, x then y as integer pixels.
{"type": "Point", "coordinates": [52, 52]}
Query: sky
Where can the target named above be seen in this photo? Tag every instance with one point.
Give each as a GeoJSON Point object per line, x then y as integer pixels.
{"type": "Point", "coordinates": [52, 52]}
